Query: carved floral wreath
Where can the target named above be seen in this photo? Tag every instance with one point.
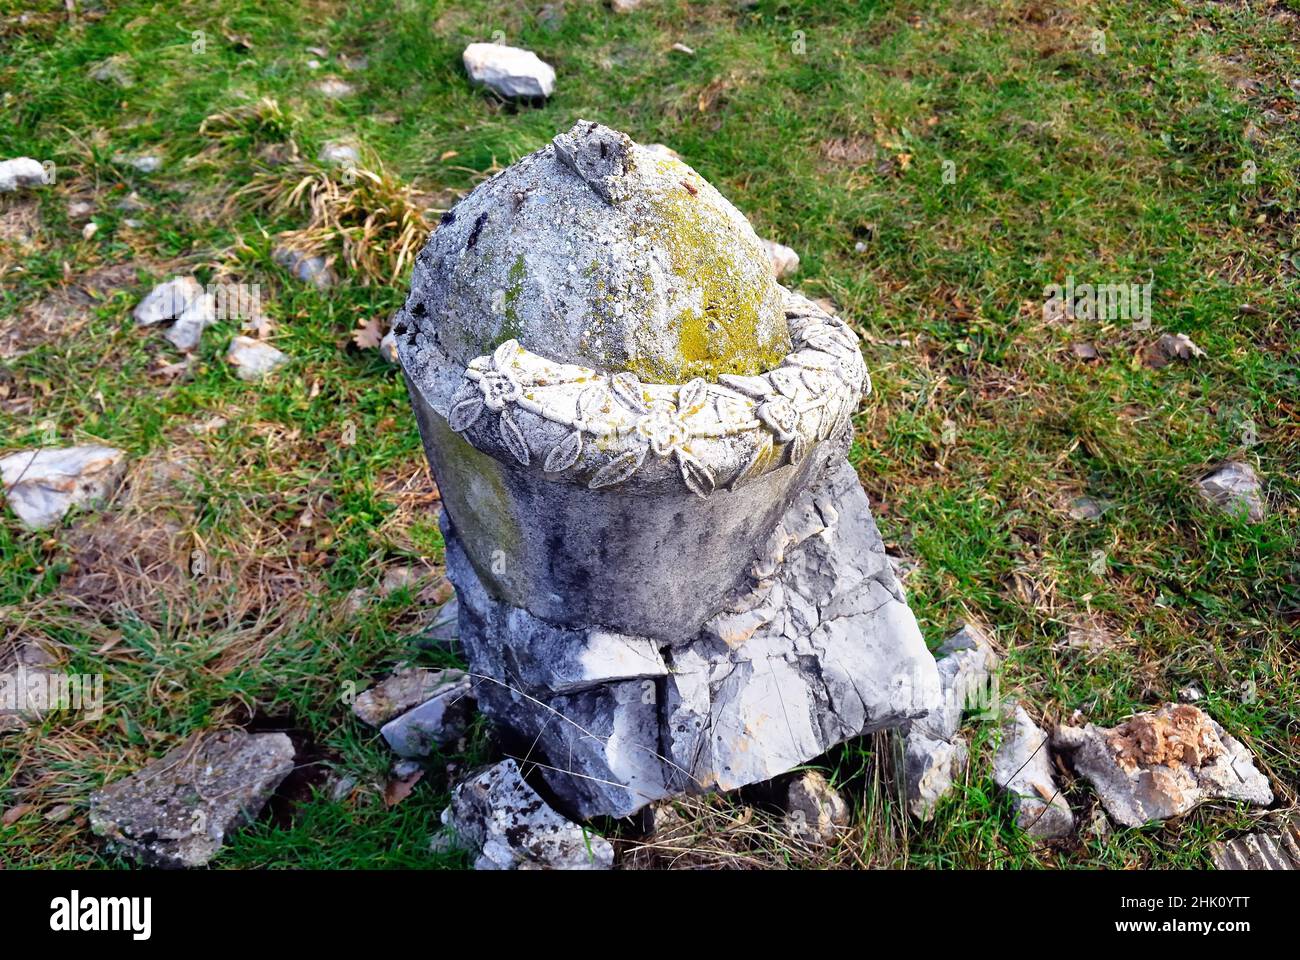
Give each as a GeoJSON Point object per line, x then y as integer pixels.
{"type": "Point", "coordinates": [730, 428]}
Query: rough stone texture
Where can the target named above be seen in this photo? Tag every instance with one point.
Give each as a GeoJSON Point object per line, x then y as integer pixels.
{"type": "Point", "coordinates": [177, 811]}
{"type": "Point", "coordinates": [438, 722]}
{"type": "Point", "coordinates": [1022, 766]}
{"type": "Point", "coordinates": [814, 809]}
{"type": "Point", "coordinates": [1276, 850]}
{"type": "Point", "coordinates": [43, 485]}
{"type": "Point", "coordinates": [508, 71]}
{"type": "Point", "coordinates": [402, 691]}
{"type": "Point", "coordinates": [669, 579]}
{"type": "Point", "coordinates": [443, 632]}
{"type": "Point", "coordinates": [783, 260]}
{"type": "Point", "coordinates": [19, 173]}
{"type": "Point", "coordinates": [502, 819]}
{"type": "Point", "coordinates": [1162, 763]}
{"type": "Point", "coordinates": [185, 305]}
{"type": "Point", "coordinates": [254, 359]}
{"type": "Point", "coordinates": [934, 754]}
{"type": "Point", "coordinates": [1235, 488]}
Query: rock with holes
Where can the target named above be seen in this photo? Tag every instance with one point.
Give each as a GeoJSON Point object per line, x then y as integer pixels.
{"type": "Point", "coordinates": [511, 72]}
{"type": "Point", "coordinates": [1022, 766]}
{"type": "Point", "coordinates": [178, 811]}
{"type": "Point", "coordinates": [1162, 763]}
{"type": "Point", "coordinates": [43, 485]}
{"type": "Point", "coordinates": [503, 821]}
{"type": "Point", "coordinates": [668, 575]}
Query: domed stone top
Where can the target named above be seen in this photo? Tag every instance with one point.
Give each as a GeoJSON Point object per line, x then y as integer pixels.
{"type": "Point", "coordinates": [597, 252]}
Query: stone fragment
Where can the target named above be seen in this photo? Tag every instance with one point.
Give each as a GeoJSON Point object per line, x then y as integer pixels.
{"type": "Point", "coordinates": [783, 260]}
{"type": "Point", "coordinates": [334, 88]}
{"type": "Point", "coordinates": [388, 348]}
{"type": "Point", "coordinates": [625, 6]}
{"type": "Point", "coordinates": [340, 153]}
{"type": "Point", "coordinates": [184, 305]}
{"type": "Point", "coordinates": [141, 163]}
{"type": "Point", "coordinates": [439, 722]}
{"type": "Point", "coordinates": [443, 632]}
{"type": "Point", "coordinates": [509, 827]}
{"type": "Point", "coordinates": [401, 691]}
{"type": "Point", "coordinates": [42, 485]}
{"type": "Point", "coordinates": [178, 811]}
{"type": "Point", "coordinates": [80, 210]}
{"type": "Point", "coordinates": [1190, 693]}
{"type": "Point", "coordinates": [1162, 763]}
{"type": "Point", "coordinates": [814, 810]}
{"type": "Point", "coordinates": [1022, 766]}
{"type": "Point", "coordinates": [20, 173]}
{"type": "Point", "coordinates": [934, 755]}
{"type": "Point", "coordinates": [113, 70]}
{"type": "Point", "coordinates": [1087, 508]}
{"type": "Point", "coordinates": [511, 72]}
{"type": "Point", "coordinates": [1262, 850]}
{"type": "Point", "coordinates": [306, 268]}
{"type": "Point", "coordinates": [254, 359]}
{"type": "Point", "coordinates": [1178, 346]}
{"type": "Point", "coordinates": [1235, 488]}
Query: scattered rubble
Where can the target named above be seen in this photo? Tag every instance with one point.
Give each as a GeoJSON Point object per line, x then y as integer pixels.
{"type": "Point", "coordinates": [182, 303]}
{"type": "Point", "coordinates": [44, 484]}
{"type": "Point", "coordinates": [1022, 767]}
{"type": "Point", "coordinates": [178, 811]}
{"type": "Point", "coordinates": [511, 72]}
{"type": "Point", "coordinates": [509, 827]}
{"type": "Point", "coordinates": [1162, 763]}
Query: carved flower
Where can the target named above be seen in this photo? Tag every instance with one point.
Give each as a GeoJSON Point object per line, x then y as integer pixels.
{"type": "Point", "coordinates": [499, 388]}
{"type": "Point", "coordinates": [663, 427]}
{"type": "Point", "coordinates": [779, 416]}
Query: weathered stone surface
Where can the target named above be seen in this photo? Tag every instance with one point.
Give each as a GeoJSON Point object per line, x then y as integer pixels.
{"type": "Point", "coordinates": [438, 722]}
{"type": "Point", "coordinates": [403, 690]}
{"type": "Point", "coordinates": [669, 579]}
{"type": "Point", "coordinates": [43, 485]}
{"type": "Point", "coordinates": [185, 305]}
{"type": "Point", "coordinates": [254, 359]}
{"type": "Point", "coordinates": [20, 173]}
{"type": "Point", "coordinates": [511, 72]}
{"type": "Point", "coordinates": [1162, 763]}
{"type": "Point", "coordinates": [1022, 767]}
{"type": "Point", "coordinates": [1235, 488]}
{"type": "Point", "coordinates": [934, 755]}
{"type": "Point", "coordinates": [178, 811]}
{"type": "Point", "coordinates": [814, 810]}
{"type": "Point", "coordinates": [503, 820]}
{"type": "Point", "coordinates": [1264, 850]}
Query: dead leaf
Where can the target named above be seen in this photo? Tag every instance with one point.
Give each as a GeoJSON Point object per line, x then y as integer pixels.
{"type": "Point", "coordinates": [369, 335]}
{"type": "Point", "coordinates": [14, 814]}
{"type": "Point", "coordinates": [398, 789]}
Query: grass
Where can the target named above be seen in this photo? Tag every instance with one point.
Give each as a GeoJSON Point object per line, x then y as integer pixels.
{"type": "Point", "coordinates": [937, 165]}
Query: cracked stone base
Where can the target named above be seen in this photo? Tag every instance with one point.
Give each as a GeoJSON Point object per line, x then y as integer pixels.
{"type": "Point", "coordinates": [819, 646]}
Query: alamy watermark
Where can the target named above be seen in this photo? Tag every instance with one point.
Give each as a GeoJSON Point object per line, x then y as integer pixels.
{"type": "Point", "coordinates": [33, 692]}
{"type": "Point", "coordinates": [1101, 301]}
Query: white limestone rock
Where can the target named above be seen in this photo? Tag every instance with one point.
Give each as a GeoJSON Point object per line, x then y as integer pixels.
{"type": "Point", "coordinates": [1162, 763]}
{"type": "Point", "coordinates": [512, 72]}
{"type": "Point", "coordinates": [43, 485]}
{"type": "Point", "coordinates": [20, 173]}
{"type": "Point", "coordinates": [509, 827]}
{"type": "Point", "coordinates": [254, 360]}
{"type": "Point", "coordinates": [1022, 767]}
{"type": "Point", "coordinates": [184, 305]}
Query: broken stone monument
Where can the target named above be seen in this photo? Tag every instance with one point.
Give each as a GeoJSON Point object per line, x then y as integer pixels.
{"type": "Point", "coordinates": [668, 576]}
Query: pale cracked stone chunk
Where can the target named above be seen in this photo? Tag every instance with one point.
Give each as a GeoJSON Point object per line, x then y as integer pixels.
{"type": "Point", "coordinates": [184, 305]}
{"type": "Point", "coordinates": [43, 485]}
{"type": "Point", "coordinates": [254, 359]}
{"type": "Point", "coordinates": [512, 72]}
{"type": "Point", "coordinates": [503, 820]}
{"type": "Point", "coordinates": [1162, 763]}
{"type": "Point", "coordinates": [178, 811]}
{"type": "Point", "coordinates": [784, 261]}
{"type": "Point", "coordinates": [1022, 767]}
{"type": "Point", "coordinates": [934, 754]}
{"type": "Point", "coordinates": [1235, 488]}
{"type": "Point", "coordinates": [20, 173]}
{"type": "Point", "coordinates": [439, 721]}
{"type": "Point", "coordinates": [401, 691]}
{"type": "Point", "coordinates": [814, 810]}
